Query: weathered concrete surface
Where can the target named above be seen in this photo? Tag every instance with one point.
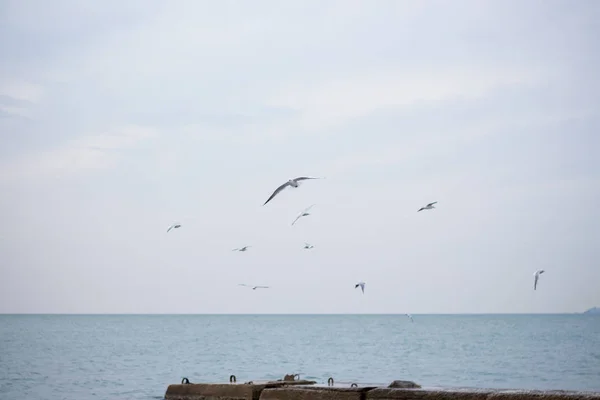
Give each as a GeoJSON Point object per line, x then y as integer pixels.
{"type": "Point", "coordinates": [215, 391]}
{"type": "Point", "coordinates": [474, 394]}
{"type": "Point", "coordinates": [305, 390]}
{"type": "Point", "coordinates": [226, 391]}
{"type": "Point", "coordinates": [314, 393]}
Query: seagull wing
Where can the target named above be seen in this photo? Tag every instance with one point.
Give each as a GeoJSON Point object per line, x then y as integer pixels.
{"type": "Point", "coordinates": [297, 218]}
{"type": "Point", "coordinates": [308, 208]}
{"type": "Point", "coordinates": [302, 178]}
{"type": "Point", "coordinates": [279, 189]}
{"type": "Point", "coordinates": [171, 227]}
{"type": "Point", "coordinates": [261, 287]}
{"type": "Point", "coordinates": [243, 284]}
{"type": "Point", "coordinates": [535, 281]}
{"type": "Point", "coordinates": [430, 204]}
{"type": "Point", "coordinates": [362, 287]}
{"type": "Point", "coordinates": [421, 209]}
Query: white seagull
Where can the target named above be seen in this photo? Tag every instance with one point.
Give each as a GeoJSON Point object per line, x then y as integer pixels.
{"type": "Point", "coordinates": [174, 226]}
{"type": "Point", "coordinates": [410, 316]}
{"type": "Point", "coordinates": [304, 213]}
{"type": "Point", "coordinates": [362, 286]}
{"type": "Point", "coordinates": [308, 245]}
{"type": "Point", "coordinates": [427, 207]}
{"type": "Point", "coordinates": [536, 276]}
{"type": "Point", "coordinates": [292, 182]}
{"type": "Point", "coordinates": [254, 287]}
{"type": "Point", "coordinates": [242, 248]}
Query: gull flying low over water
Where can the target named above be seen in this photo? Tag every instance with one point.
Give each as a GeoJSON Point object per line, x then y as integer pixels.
{"type": "Point", "coordinates": [308, 245]}
{"type": "Point", "coordinates": [304, 213]}
{"type": "Point", "coordinates": [410, 316]}
{"type": "Point", "coordinates": [254, 287]}
{"type": "Point", "coordinates": [292, 182]}
{"type": "Point", "coordinates": [428, 206]}
{"type": "Point", "coordinates": [174, 226]}
{"type": "Point", "coordinates": [536, 277]}
{"type": "Point", "coordinates": [362, 286]}
{"type": "Point", "coordinates": [242, 248]}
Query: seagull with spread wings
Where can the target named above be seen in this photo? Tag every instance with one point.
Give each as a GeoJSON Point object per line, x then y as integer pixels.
{"type": "Point", "coordinates": [362, 286]}
{"type": "Point", "coordinates": [304, 213]}
{"type": "Point", "coordinates": [245, 248]}
{"type": "Point", "coordinates": [308, 245]}
{"type": "Point", "coordinates": [254, 287]}
{"type": "Point", "coordinates": [292, 183]}
{"type": "Point", "coordinates": [173, 226]}
{"type": "Point", "coordinates": [428, 206]}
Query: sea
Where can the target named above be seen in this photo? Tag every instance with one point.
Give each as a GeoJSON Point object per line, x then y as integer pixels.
{"type": "Point", "coordinates": [138, 356]}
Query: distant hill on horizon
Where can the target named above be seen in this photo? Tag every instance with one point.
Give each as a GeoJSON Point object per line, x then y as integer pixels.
{"type": "Point", "coordinates": [593, 310]}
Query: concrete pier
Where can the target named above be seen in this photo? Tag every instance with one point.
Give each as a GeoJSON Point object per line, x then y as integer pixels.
{"type": "Point", "coordinates": [291, 388]}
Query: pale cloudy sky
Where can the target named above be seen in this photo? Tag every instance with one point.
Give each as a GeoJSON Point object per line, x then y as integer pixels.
{"type": "Point", "coordinates": [118, 118]}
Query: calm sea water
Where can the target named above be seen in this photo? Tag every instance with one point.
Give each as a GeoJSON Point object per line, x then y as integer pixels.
{"type": "Point", "coordinates": [137, 357]}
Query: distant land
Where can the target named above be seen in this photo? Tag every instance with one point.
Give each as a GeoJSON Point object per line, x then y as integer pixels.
{"type": "Point", "coordinates": [593, 310]}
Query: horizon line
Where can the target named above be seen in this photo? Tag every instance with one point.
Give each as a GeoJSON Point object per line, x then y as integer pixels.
{"type": "Point", "coordinates": [292, 314]}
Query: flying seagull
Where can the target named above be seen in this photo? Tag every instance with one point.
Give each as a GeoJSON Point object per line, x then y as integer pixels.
{"type": "Point", "coordinates": [304, 213]}
{"type": "Point", "coordinates": [410, 316]}
{"type": "Point", "coordinates": [174, 226]}
{"type": "Point", "coordinates": [241, 248]}
{"type": "Point", "coordinates": [254, 287]}
{"type": "Point", "coordinates": [362, 286]}
{"type": "Point", "coordinates": [428, 206]}
{"type": "Point", "coordinates": [536, 276]}
{"type": "Point", "coordinates": [292, 182]}
{"type": "Point", "coordinates": [308, 245]}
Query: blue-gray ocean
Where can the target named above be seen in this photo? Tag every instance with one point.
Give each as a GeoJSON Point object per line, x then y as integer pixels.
{"type": "Point", "coordinates": [138, 356]}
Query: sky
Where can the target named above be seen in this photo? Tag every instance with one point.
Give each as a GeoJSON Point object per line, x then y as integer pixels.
{"type": "Point", "coordinates": [119, 118]}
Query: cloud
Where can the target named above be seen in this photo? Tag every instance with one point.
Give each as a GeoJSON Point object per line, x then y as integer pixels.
{"type": "Point", "coordinates": [20, 90]}
{"type": "Point", "coordinates": [9, 111]}
{"type": "Point", "coordinates": [92, 152]}
{"type": "Point", "coordinates": [335, 101]}
{"type": "Point", "coordinates": [17, 98]}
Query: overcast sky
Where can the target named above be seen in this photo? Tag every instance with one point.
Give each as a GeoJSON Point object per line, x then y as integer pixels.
{"type": "Point", "coordinates": [118, 118]}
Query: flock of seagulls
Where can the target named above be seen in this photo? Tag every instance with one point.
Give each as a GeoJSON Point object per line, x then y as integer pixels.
{"type": "Point", "coordinates": [295, 183]}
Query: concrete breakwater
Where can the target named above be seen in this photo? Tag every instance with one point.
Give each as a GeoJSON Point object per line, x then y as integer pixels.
{"type": "Point", "coordinates": [291, 387]}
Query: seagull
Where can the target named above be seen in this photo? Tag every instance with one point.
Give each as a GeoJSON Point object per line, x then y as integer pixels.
{"type": "Point", "coordinates": [428, 206]}
{"type": "Point", "coordinates": [242, 248]}
{"type": "Point", "coordinates": [254, 287]}
{"type": "Point", "coordinates": [410, 316]}
{"type": "Point", "coordinates": [308, 245]}
{"type": "Point", "coordinates": [536, 276]}
{"type": "Point", "coordinates": [362, 286]}
{"type": "Point", "coordinates": [292, 182]}
{"type": "Point", "coordinates": [174, 226]}
{"type": "Point", "coordinates": [304, 213]}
